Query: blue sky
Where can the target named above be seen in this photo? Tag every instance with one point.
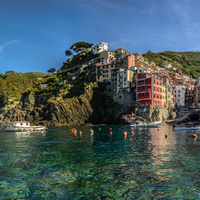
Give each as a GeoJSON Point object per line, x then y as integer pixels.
{"type": "Point", "coordinates": [34, 34]}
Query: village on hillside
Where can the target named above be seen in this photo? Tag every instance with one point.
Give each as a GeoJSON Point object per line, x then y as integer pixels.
{"type": "Point", "coordinates": [130, 77]}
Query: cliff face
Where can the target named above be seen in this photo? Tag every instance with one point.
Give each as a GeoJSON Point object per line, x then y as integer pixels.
{"type": "Point", "coordinates": [90, 107]}
{"type": "Point", "coordinates": [149, 113]}
{"type": "Point", "coordinates": [155, 113]}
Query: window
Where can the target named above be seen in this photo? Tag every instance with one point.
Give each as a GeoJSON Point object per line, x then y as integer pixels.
{"type": "Point", "coordinates": [142, 94]}
{"type": "Point", "coordinates": [154, 87]}
{"type": "Point", "coordinates": [179, 91]}
{"type": "Point", "coordinates": [147, 94]}
{"type": "Point", "coordinates": [154, 95]}
{"type": "Point", "coordinates": [142, 75]}
{"type": "Point", "coordinates": [157, 95]}
{"type": "Point", "coordinates": [157, 82]}
{"type": "Point", "coordinates": [142, 87]}
{"type": "Point", "coordinates": [161, 89]}
{"type": "Point", "coordinates": [178, 95]}
{"type": "Point", "coordinates": [157, 88]}
{"type": "Point", "coordinates": [139, 88]}
{"type": "Point", "coordinates": [160, 95]}
{"type": "Point", "coordinates": [158, 102]}
{"type": "Point", "coordinates": [144, 82]}
{"type": "Point", "coordinates": [154, 80]}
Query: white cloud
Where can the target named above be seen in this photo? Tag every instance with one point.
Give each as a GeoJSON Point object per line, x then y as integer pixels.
{"type": "Point", "coordinates": [6, 44]}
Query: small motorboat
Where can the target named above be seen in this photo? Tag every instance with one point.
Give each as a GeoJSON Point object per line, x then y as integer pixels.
{"type": "Point", "coordinates": [180, 127]}
{"type": "Point", "coordinates": [140, 125]}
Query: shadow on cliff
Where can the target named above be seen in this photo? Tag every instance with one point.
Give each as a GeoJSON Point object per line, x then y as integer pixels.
{"type": "Point", "coordinates": [105, 110]}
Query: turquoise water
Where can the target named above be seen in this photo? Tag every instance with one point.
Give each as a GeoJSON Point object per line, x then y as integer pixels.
{"type": "Point", "coordinates": [61, 165]}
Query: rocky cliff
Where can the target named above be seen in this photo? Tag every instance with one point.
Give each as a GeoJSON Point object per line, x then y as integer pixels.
{"type": "Point", "coordinates": [149, 113]}
{"type": "Point", "coordinates": [90, 107]}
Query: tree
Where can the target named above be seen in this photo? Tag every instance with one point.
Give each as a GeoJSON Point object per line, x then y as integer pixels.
{"type": "Point", "coordinates": [51, 70]}
{"type": "Point", "coordinates": [3, 99]}
{"type": "Point", "coordinates": [81, 46]}
{"type": "Point", "coordinates": [68, 53]}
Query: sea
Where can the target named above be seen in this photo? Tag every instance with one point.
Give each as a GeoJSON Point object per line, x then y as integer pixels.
{"type": "Point", "coordinates": [100, 162]}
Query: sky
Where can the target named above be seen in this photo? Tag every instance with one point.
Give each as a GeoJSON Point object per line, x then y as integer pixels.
{"type": "Point", "coordinates": [34, 34]}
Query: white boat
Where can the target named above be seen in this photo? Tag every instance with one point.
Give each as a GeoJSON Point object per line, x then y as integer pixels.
{"type": "Point", "coordinates": [23, 127]}
{"type": "Point", "coordinates": [153, 124]}
{"type": "Point", "coordinates": [187, 128]}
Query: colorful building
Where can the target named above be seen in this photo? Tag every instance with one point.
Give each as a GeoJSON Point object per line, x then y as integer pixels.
{"type": "Point", "coordinates": [124, 78]}
{"type": "Point", "coordinates": [129, 61]}
{"type": "Point", "coordinates": [180, 95]}
{"type": "Point", "coordinates": [107, 54]}
{"type": "Point", "coordinates": [121, 53]}
{"type": "Point", "coordinates": [190, 94]}
{"type": "Point", "coordinates": [168, 91]}
{"type": "Point", "coordinates": [103, 46]}
{"type": "Point", "coordinates": [149, 89]}
{"type": "Point", "coordinates": [164, 95]}
{"type": "Point", "coordinates": [103, 72]}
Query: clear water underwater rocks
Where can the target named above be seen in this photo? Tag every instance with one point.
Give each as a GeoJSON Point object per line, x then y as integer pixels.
{"type": "Point", "coordinates": [60, 164]}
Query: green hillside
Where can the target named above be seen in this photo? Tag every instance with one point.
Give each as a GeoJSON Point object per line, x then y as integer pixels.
{"type": "Point", "coordinates": [13, 84]}
{"type": "Point", "coordinates": [189, 62]}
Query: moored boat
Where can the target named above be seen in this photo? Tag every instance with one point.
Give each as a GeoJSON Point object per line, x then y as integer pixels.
{"type": "Point", "coordinates": [23, 127]}
{"type": "Point", "coordinates": [153, 124]}
{"type": "Point", "coordinates": [186, 128]}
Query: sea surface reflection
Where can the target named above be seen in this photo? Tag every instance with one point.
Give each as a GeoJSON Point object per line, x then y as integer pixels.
{"type": "Point", "coordinates": [60, 164]}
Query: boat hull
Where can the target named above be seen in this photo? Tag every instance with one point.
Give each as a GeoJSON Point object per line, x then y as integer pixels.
{"type": "Point", "coordinates": [24, 129]}
{"type": "Point", "coordinates": [186, 128]}
{"type": "Point", "coordinates": [154, 124]}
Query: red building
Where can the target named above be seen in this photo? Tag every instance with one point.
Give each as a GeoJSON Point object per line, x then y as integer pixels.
{"type": "Point", "coordinates": [149, 89]}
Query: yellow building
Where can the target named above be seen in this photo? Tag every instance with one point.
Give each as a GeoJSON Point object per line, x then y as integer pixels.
{"type": "Point", "coordinates": [121, 53]}
{"type": "Point", "coordinates": [168, 91]}
{"type": "Point", "coordinates": [164, 95]}
{"type": "Point", "coordinates": [103, 72]}
{"type": "Point", "coordinates": [107, 54]}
